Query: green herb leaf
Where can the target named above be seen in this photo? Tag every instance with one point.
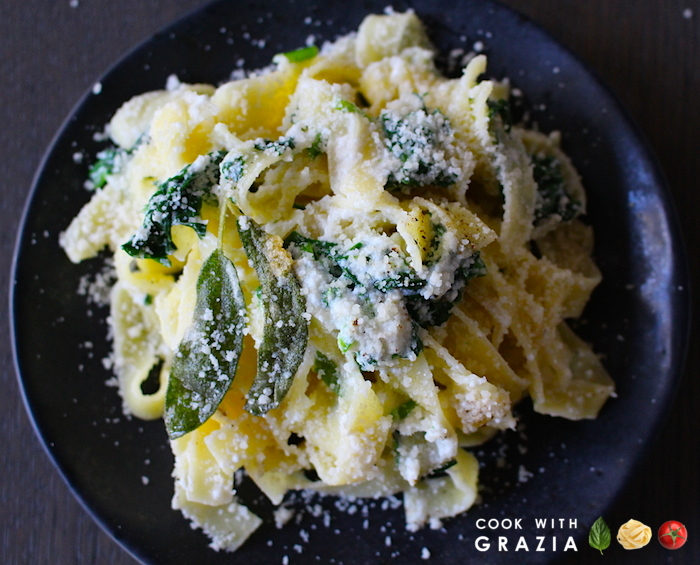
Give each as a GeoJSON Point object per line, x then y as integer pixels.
{"type": "Point", "coordinates": [438, 231]}
{"type": "Point", "coordinates": [599, 537]}
{"type": "Point", "coordinates": [327, 369]}
{"type": "Point", "coordinates": [418, 141]}
{"type": "Point", "coordinates": [407, 280]}
{"type": "Point", "coordinates": [233, 169]}
{"type": "Point", "coordinates": [177, 201]}
{"type": "Point", "coordinates": [285, 332]}
{"type": "Point", "coordinates": [301, 55]}
{"type": "Point", "coordinates": [316, 247]}
{"type": "Point", "coordinates": [206, 360]}
{"type": "Point", "coordinates": [326, 253]}
{"type": "Point", "coordinates": [275, 147]}
{"type": "Point", "coordinates": [316, 147]}
{"type": "Point", "coordinates": [347, 106]}
{"type": "Point", "coordinates": [501, 108]}
{"type": "Point", "coordinates": [435, 312]}
{"type": "Point", "coordinates": [111, 161]}
{"type": "Point", "coordinates": [441, 471]}
{"type": "Point", "coordinates": [403, 410]}
{"type": "Point", "coordinates": [108, 163]}
{"type": "Point", "coordinates": [552, 196]}
{"type": "Point", "coordinates": [343, 345]}
{"type": "Point", "coordinates": [395, 444]}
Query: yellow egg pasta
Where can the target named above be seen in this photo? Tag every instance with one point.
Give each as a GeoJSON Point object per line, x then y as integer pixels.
{"type": "Point", "coordinates": [348, 264]}
{"type": "Point", "coordinates": [633, 535]}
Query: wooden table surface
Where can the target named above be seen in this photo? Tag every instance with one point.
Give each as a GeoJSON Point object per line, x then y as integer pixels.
{"type": "Point", "coordinates": [647, 51]}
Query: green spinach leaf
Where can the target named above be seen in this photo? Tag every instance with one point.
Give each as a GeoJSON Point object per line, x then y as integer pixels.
{"type": "Point", "coordinates": [327, 369]}
{"type": "Point", "coordinates": [177, 201]}
{"type": "Point", "coordinates": [403, 410]}
{"type": "Point", "coordinates": [552, 195]}
{"type": "Point", "coordinates": [435, 312]}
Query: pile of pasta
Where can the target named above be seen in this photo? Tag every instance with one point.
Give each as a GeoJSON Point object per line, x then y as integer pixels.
{"type": "Point", "coordinates": [358, 159]}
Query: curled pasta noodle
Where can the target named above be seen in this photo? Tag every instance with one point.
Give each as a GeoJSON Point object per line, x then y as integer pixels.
{"type": "Point", "coordinates": [633, 534]}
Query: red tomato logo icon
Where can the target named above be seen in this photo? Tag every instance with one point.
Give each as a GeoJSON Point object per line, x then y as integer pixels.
{"type": "Point", "coordinates": [672, 534]}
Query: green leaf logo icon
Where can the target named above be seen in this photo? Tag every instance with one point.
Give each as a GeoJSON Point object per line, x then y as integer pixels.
{"type": "Point", "coordinates": [599, 537]}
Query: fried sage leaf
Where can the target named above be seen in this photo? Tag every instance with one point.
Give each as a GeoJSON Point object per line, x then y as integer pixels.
{"type": "Point", "coordinates": [177, 201]}
{"type": "Point", "coordinates": [285, 332]}
{"type": "Point", "coordinates": [206, 360]}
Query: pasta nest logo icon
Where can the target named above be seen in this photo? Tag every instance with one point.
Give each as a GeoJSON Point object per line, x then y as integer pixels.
{"type": "Point", "coordinates": [633, 535]}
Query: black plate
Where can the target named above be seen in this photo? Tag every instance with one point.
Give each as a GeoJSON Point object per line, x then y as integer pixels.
{"type": "Point", "coordinates": [638, 318]}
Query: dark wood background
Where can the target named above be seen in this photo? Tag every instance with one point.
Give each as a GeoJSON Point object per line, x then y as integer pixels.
{"type": "Point", "coordinates": [647, 51]}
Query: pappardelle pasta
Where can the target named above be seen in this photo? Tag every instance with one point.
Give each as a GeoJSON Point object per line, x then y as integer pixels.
{"type": "Point", "coordinates": [348, 264]}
